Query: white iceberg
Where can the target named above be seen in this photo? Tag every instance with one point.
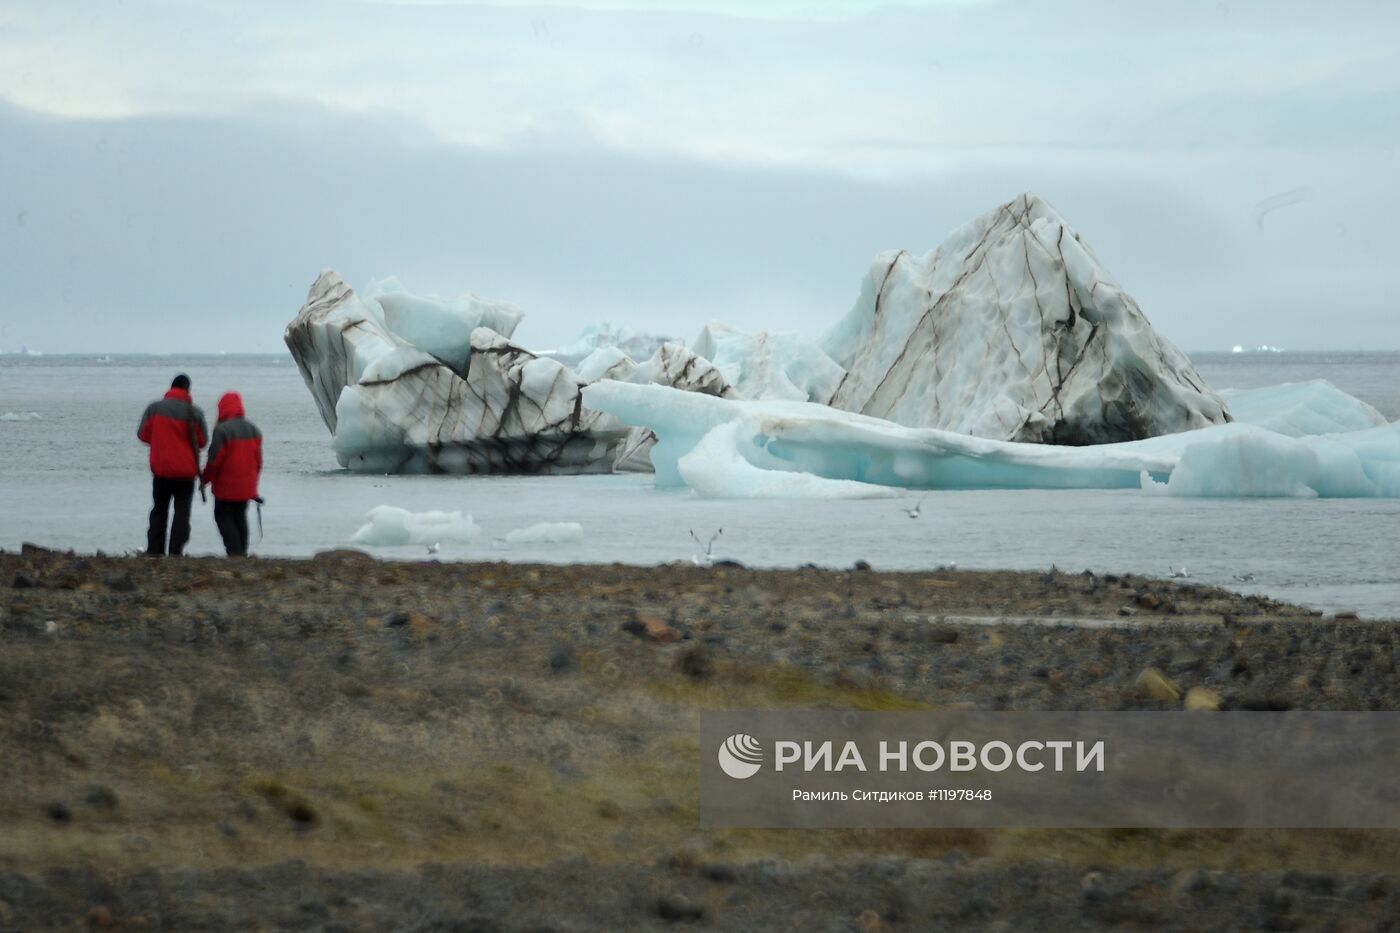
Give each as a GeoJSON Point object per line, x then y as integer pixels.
{"type": "Point", "coordinates": [1301, 409]}
{"type": "Point", "coordinates": [1013, 330]}
{"type": "Point", "coordinates": [719, 447]}
{"type": "Point", "coordinates": [403, 392]}
{"type": "Point", "coordinates": [15, 416]}
{"type": "Point", "coordinates": [546, 533]}
{"type": "Point", "coordinates": [1259, 463]}
{"type": "Point", "coordinates": [387, 526]}
{"type": "Point", "coordinates": [1010, 330]}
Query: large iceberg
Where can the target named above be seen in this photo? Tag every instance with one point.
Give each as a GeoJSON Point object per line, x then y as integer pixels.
{"type": "Point", "coordinates": [408, 384]}
{"type": "Point", "coordinates": [729, 448]}
{"type": "Point", "coordinates": [1013, 330]}
{"type": "Point", "coordinates": [1006, 357]}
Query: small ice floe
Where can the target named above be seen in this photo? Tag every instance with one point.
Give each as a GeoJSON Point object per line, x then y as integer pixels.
{"type": "Point", "coordinates": [1244, 578]}
{"type": "Point", "coordinates": [706, 557]}
{"type": "Point", "coordinates": [21, 416]}
{"type": "Point", "coordinates": [546, 533]}
{"type": "Point", "coordinates": [1178, 573]}
{"type": "Point", "coordinates": [386, 525]}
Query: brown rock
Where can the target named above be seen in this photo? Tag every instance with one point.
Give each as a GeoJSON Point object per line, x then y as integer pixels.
{"type": "Point", "coordinates": [652, 627]}
{"type": "Point", "coordinates": [679, 907]}
{"type": "Point", "coordinates": [1148, 601]}
{"type": "Point", "coordinates": [99, 917]}
{"type": "Point", "coordinates": [1202, 698]}
{"type": "Point", "coordinates": [695, 663]}
{"type": "Point", "coordinates": [344, 554]}
{"type": "Point", "coordinates": [120, 582]}
{"type": "Point", "coordinates": [870, 921]}
{"type": "Point", "coordinates": [1154, 685]}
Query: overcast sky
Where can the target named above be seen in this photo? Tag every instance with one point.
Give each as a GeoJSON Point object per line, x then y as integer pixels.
{"type": "Point", "coordinates": [174, 174]}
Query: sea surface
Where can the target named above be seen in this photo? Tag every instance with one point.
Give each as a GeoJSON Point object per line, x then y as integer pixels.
{"type": "Point", "coordinates": [76, 477]}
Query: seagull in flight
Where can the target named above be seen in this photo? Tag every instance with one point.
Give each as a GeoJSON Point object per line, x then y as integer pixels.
{"type": "Point", "coordinates": [435, 547]}
{"type": "Point", "coordinates": [707, 558]}
{"type": "Point", "coordinates": [1178, 573]}
{"type": "Point", "coordinates": [917, 510]}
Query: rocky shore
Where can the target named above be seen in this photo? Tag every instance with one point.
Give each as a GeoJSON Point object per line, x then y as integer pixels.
{"type": "Point", "coordinates": [343, 744]}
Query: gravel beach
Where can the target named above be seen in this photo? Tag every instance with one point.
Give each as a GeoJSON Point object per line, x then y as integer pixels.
{"type": "Point", "coordinates": [342, 744]}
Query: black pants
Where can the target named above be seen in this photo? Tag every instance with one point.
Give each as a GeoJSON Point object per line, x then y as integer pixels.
{"type": "Point", "coordinates": [165, 491]}
{"type": "Point", "coordinates": [232, 519]}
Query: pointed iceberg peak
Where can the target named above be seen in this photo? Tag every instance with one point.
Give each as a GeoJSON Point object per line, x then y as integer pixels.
{"type": "Point", "coordinates": [1013, 330]}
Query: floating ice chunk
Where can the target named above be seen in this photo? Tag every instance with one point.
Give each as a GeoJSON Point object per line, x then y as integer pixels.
{"type": "Point", "coordinates": [387, 525]}
{"type": "Point", "coordinates": [1299, 409]}
{"type": "Point", "coordinates": [716, 469]}
{"type": "Point", "coordinates": [1253, 462]}
{"type": "Point", "coordinates": [439, 326]}
{"type": "Point", "coordinates": [1245, 465]}
{"type": "Point", "coordinates": [770, 364]}
{"type": "Point", "coordinates": [843, 445]}
{"type": "Point", "coordinates": [21, 416]}
{"type": "Point", "coordinates": [406, 387]}
{"type": "Point", "coordinates": [1223, 460]}
{"type": "Point", "coordinates": [547, 533]}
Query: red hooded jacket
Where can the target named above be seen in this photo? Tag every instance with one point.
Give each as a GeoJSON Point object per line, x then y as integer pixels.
{"type": "Point", "coordinates": [175, 429]}
{"type": "Point", "coordinates": [235, 454]}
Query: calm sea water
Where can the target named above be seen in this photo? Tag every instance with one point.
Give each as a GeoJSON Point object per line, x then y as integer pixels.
{"type": "Point", "coordinates": [77, 478]}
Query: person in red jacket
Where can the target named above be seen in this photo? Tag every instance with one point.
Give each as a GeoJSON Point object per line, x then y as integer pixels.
{"type": "Point", "coordinates": [175, 430]}
{"type": "Point", "coordinates": [235, 460]}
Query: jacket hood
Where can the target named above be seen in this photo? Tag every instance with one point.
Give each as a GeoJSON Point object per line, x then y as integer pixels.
{"type": "Point", "coordinates": [178, 394]}
{"type": "Point", "coordinates": [230, 406]}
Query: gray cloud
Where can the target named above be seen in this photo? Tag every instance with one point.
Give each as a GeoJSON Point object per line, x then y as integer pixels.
{"type": "Point", "coordinates": [663, 168]}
